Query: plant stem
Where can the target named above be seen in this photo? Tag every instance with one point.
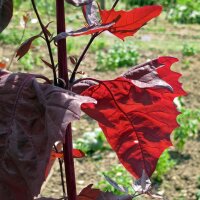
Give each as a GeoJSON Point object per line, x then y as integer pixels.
{"type": "Point", "coordinates": [62, 47]}
{"type": "Point", "coordinates": [63, 74]}
{"type": "Point", "coordinates": [47, 42]}
{"type": "Point", "coordinates": [81, 57]}
{"type": "Point", "coordinates": [115, 4]}
{"type": "Point", "coordinates": [61, 173]}
{"type": "Point", "coordinates": [86, 49]}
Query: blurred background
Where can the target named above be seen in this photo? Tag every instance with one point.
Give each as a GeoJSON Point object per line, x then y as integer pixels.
{"type": "Point", "coordinates": [176, 32]}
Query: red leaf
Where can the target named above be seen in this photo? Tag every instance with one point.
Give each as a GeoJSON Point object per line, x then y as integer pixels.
{"type": "Point", "coordinates": [136, 120]}
{"type": "Point", "coordinates": [84, 31]}
{"type": "Point", "coordinates": [111, 196]}
{"type": "Point", "coordinates": [24, 48]}
{"type": "Point", "coordinates": [73, 59]}
{"type": "Point", "coordinates": [130, 21]}
{"type": "Point", "coordinates": [2, 65]}
{"type": "Point", "coordinates": [120, 23]}
{"type": "Point", "coordinates": [39, 121]}
{"type": "Point", "coordinates": [46, 63]}
{"type": "Point", "coordinates": [89, 193]}
{"type": "Point", "coordinates": [77, 153]}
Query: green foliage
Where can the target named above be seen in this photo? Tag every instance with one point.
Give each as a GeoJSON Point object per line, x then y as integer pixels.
{"type": "Point", "coordinates": [18, 3]}
{"type": "Point", "coordinates": [187, 13]}
{"type": "Point", "coordinates": [188, 50]}
{"type": "Point", "coordinates": [165, 163]}
{"type": "Point", "coordinates": [91, 142]}
{"type": "Point", "coordinates": [45, 6]}
{"type": "Point", "coordinates": [131, 3]}
{"type": "Point", "coordinates": [186, 64]}
{"type": "Point", "coordinates": [98, 45]}
{"type": "Point", "coordinates": [120, 55]}
{"type": "Point", "coordinates": [11, 36]}
{"type": "Point", "coordinates": [189, 125]}
{"type": "Point", "coordinates": [119, 174]}
{"type": "Point", "coordinates": [198, 195]}
{"type": "Point", "coordinates": [28, 62]}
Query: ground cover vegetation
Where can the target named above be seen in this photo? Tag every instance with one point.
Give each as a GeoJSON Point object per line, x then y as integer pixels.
{"type": "Point", "coordinates": [103, 58]}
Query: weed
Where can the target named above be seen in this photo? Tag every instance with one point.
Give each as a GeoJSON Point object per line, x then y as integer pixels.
{"type": "Point", "coordinates": [198, 195]}
{"type": "Point", "coordinates": [119, 175]}
{"type": "Point", "coordinates": [98, 45]}
{"type": "Point", "coordinates": [91, 142]}
{"type": "Point", "coordinates": [189, 125]}
{"type": "Point", "coordinates": [188, 13]}
{"type": "Point", "coordinates": [120, 55]}
{"type": "Point", "coordinates": [165, 163]}
{"type": "Point", "coordinates": [188, 50]}
{"type": "Point", "coordinates": [186, 64]}
{"type": "Point", "coordinates": [29, 62]}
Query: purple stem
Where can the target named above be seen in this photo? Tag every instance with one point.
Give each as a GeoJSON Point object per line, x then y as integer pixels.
{"type": "Point", "coordinates": [63, 74]}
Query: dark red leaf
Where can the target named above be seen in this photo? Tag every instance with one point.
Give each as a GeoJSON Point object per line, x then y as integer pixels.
{"type": "Point", "coordinates": [146, 76]}
{"type": "Point", "coordinates": [84, 31]}
{"type": "Point", "coordinates": [111, 196]}
{"type": "Point", "coordinates": [78, 2]}
{"type": "Point", "coordinates": [89, 193]}
{"type": "Point", "coordinates": [6, 13]}
{"type": "Point", "coordinates": [73, 59]}
{"type": "Point", "coordinates": [24, 48]}
{"type": "Point", "coordinates": [91, 13]}
{"type": "Point", "coordinates": [136, 120]}
{"type": "Point", "coordinates": [41, 114]}
{"type": "Point", "coordinates": [46, 29]}
{"type": "Point", "coordinates": [130, 21]}
{"type": "Point", "coordinates": [46, 63]}
{"type": "Point", "coordinates": [79, 87]}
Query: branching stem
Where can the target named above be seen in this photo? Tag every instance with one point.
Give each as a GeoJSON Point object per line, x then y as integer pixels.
{"type": "Point", "coordinates": [115, 4]}
{"type": "Point", "coordinates": [81, 57]}
{"type": "Point", "coordinates": [48, 43]}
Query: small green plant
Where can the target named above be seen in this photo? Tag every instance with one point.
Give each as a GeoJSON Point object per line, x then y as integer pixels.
{"type": "Point", "coordinates": [187, 13]}
{"type": "Point", "coordinates": [198, 195]}
{"type": "Point", "coordinates": [120, 55]}
{"type": "Point", "coordinates": [189, 125]}
{"type": "Point", "coordinates": [165, 163]}
{"type": "Point", "coordinates": [119, 175]}
{"type": "Point", "coordinates": [188, 50]}
{"type": "Point", "coordinates": [186, 64]}
{"type": "Point", "coordinates": [91, 142]}
{"type": "Point", "coordinates": [98, 45]}
{"type": "Point", "coordinates": [198, 182]}
{"type": "Point", "coordinates": [29, 62]}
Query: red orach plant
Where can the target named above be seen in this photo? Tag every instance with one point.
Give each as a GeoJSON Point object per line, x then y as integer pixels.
{"type": "Point", "coordinates": [135, 111]}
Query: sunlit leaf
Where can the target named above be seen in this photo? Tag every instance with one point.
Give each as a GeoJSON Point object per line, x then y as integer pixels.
{"type": "Point", "coordinates": [130, 21]}
{"type": "Point", "coordinates": [135, 120]}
